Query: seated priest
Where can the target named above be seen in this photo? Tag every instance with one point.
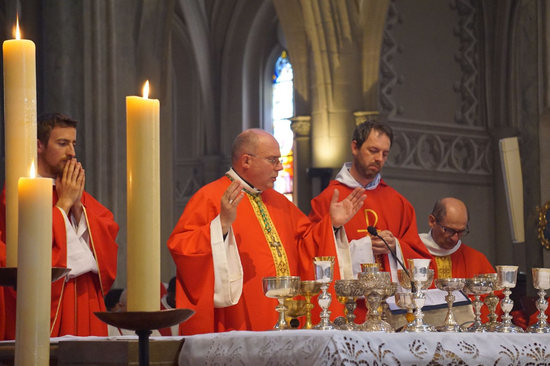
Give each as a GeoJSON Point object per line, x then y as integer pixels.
{"type": "Point", "coordinates": [237, 230]}
{"type": "Point", "coordinates": [384, 209]}
{"type": "Point", "coordinates": [454, 259]}
{"type": "Point", "coordinates": [84, 234]}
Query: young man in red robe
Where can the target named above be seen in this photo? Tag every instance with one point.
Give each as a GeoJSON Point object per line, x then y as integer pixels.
{"type": "Point", "coordinates": [237, 230]}
{"type": "Point", "coordinates": [84, 234]}
{"type": "Point", "coordinates": [384, 208]}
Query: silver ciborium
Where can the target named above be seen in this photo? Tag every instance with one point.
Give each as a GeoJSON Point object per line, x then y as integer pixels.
{"type": "Point", "coordinates": [281, 288]}
{"type": "Point", "coordinates": [477, 286]}
{"type": "Point", "coordinates": [308, 289]}
{"type": "Point", "coordinates": [449, 285]}
{"type": "Point", "coordinates": [376, 288]}
{"type": "Point", "coordinates": [349, 291]}
{"type": "Point", "coordinates": [541, 281]}
{"type": "Point", "coordinates": [324, 272]}
{"type": "Point", "coordinates": [492, 300]}
{"type": "Point", "coordinates": [507, 278]}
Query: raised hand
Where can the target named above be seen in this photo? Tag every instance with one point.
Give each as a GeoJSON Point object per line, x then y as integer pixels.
{"type": "Point", "coordinates": [342, 212]}
{"type": "Point", "coordinates": [231, 198]}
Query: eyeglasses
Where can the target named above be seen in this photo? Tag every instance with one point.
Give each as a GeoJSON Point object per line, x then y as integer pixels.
{"type": "Point", "coordinates": [273, 161]}
{"type": "Point", "coordinates": [450, 232]}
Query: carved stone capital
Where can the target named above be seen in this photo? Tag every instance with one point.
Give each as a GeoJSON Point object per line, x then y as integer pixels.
{"type": "Point", "coordinates": [364, 116]}
{"type": "Point", "coordinates": [301, 126]}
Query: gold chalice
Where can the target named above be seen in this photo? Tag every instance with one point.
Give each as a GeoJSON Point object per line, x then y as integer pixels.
{"type": "Point", "coordinates": [308, 289]}
{"type": "Point", "coordinates": [296, 309]}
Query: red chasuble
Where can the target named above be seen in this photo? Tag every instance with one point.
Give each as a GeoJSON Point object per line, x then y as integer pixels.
{"type": "Point", "coordinates": [467, 263]}
{"type": "Point", "coordinates": [75, 301]}
{"type": "Point", "coordinates": [190, 246]}
{"type": "Point", "coordinates": [385, 209]}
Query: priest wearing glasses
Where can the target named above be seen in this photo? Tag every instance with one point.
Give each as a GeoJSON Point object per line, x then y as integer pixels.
{"type": "Point", "coordinates": [237, 230]}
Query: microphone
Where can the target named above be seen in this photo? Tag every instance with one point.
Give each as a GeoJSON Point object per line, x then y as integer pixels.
{"type": "Point", "coordinates": [372, 230]}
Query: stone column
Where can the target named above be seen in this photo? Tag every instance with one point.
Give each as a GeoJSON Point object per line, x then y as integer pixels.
{"type": "Point", "coordinates": [364, 116]}
{"type": "Point", "coordinates": [301, 126]}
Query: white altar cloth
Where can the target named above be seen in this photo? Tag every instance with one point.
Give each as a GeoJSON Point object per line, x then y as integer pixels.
{"type": "Point", "coordinates": [310, 347]}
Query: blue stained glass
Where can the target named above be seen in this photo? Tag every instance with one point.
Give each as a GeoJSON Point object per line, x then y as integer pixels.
{"type": "Point", "coordinates": [283, 108]}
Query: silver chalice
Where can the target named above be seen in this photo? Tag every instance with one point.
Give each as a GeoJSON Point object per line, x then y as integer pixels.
{"type": "Point", "coordinates": [477, 286]}
{"type": "Point", "coordinates": [541, 281]}
{"type": "Point", "coordinates": [349, 291]}
{"type": "Point", "coordinates": [281, 288]}
{"type": "Point", "coordinates": [449, 285]}
{"type": "Point", "coordinates": [507, 277]}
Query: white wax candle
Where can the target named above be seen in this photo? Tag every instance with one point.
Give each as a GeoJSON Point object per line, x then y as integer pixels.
{"type": "Point", "coordinates": [143, 179]}
{"type": "Point", "coordinates": [20, 128]}
{"type": "Point", "coordinates": [32, 346]}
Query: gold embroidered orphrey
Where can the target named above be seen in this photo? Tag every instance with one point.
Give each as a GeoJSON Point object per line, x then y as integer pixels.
{"type": "Point", "coordinates": [444, 266]}
{"type": "Point", "coordinates": [544, 225]}
{"type": "Point", "coordinates": [277, 250]}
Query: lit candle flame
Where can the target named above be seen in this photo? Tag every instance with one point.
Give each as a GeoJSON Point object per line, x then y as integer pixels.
{"type": "Point", "coordinates": [33, 173]}
{"type": "Point", "coordinates": [17, 32]}
{"type": "Point", "coordinates": [146, 90]}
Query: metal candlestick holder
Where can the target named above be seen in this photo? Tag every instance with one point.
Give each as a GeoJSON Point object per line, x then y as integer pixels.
{"type": "Point", "coordinates": [281, 288]}
{"type": "Point", "coordinates": [477, 287]}
{"type": "Point", "coordinates": [349, 290]}
{"type": "Point", "coordinates": [507, 277]}
{"type": "Point", "coordinates": [8, 275]}
{"type": "Point", "coordinates": [449, 285]}
{"type": "Point", "coordinates": [142, 322]}
{"type": "Point", "coordinates": [324, 272]}
{"type": "Point", "coordinates": [541, 281]}
{"type": "Point", "coordinates": [492, 301]}
{"type": "Point", "coordinates": [308, 289]}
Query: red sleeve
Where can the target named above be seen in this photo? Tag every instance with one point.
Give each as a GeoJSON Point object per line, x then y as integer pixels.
{"type": "Point", "coordinates": [191, 250]}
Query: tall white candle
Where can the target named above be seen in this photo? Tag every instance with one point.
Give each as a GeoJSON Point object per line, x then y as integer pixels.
{"type": "Point", "coordinates": [143, 179]}
{"type": "Point", "coordinates": [20, 127]}
{"type": "Point", "coordinates": [32, 337]}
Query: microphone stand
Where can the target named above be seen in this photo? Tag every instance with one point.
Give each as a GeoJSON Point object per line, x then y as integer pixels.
{"type": "Point", "coordinates": [372, 230]}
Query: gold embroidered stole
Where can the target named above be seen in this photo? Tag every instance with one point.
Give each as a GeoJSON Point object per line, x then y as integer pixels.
{"type": "Point", "coordinates": [271, 235]}
{"type": "Point", "coordinates": [444, 266]}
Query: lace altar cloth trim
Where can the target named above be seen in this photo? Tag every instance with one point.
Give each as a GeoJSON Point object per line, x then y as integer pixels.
{"type": "Point", "coordinates": [308, 347]}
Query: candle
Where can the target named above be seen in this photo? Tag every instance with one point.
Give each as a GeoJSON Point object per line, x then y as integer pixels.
{"type": "Point", "coordinates": [143, 179]}
{"type": "Point", "coordinates": [20, 127]}
{"type": "Point", "coordinates": [32, 346]}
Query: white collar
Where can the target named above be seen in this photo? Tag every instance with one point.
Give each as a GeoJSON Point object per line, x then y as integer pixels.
{"type": "Point", "coordinates": [233, 174]}
{"type": "Point", "coordinates": [434, 248]}
{"type": "Point", "coordinates": [345, 177]}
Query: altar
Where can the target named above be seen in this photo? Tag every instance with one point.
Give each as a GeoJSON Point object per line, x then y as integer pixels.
{"type": "Point", "coordinates": [311, 347]}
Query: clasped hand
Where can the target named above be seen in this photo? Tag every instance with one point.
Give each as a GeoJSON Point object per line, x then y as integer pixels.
{"type": "Point", "coordinates": [69, 187]}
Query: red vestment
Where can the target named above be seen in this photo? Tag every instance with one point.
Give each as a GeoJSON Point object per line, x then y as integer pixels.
{"type": "Point", "coordinates": [467, 263]}
{"type": "Point", "coordinates": [75, 301]}
{"type": "Point", "coordinates": [385, 209]}
{"type": "Point", "coordinates": [190, 246]}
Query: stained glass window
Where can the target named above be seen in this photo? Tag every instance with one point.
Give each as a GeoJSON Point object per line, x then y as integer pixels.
{"type": "Point", "coordinates": [283, 108]}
